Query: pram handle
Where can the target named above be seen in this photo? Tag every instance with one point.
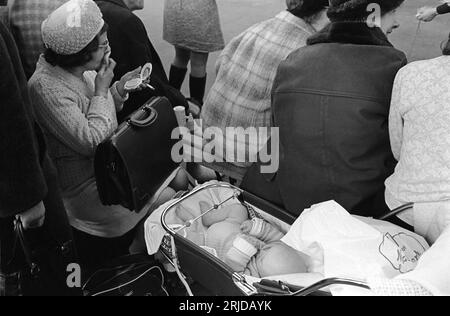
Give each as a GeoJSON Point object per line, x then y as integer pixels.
{"type": "Point", "coordinates": [397, 211]}
{"type": "Point", "coordinates": [329, 282]}
{"type": "Point", "coordinates": [279, 288]}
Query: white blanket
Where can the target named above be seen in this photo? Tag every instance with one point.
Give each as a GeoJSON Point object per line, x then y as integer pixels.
{"type": "Point", "coordinates": [433, 270]}
{"type": "Point", "coordinates": [353, 247]}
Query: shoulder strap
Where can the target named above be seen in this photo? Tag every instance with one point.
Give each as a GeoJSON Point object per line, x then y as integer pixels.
{"type": "Point", "coordinates": [20, 235]}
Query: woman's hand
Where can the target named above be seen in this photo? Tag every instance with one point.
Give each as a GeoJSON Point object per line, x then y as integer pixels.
{"type": "Point", "coordinates": [34, 217]}
{"type": "Point", "coordinates": [426, 14]}
{"type": "Point", "coordinates": [104, 78]}
{"type": "Point", "coordinates": [127, 77]}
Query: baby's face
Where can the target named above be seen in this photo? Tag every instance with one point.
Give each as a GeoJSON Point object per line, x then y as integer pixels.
{"type": "Point", "coordinates": [279, 259]}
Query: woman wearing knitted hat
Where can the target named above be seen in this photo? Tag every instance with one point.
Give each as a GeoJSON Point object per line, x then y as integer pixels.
{"type": "Point", "coordinates": [77, 109]}
{"type": "Point", "coordinates": [331, 101]}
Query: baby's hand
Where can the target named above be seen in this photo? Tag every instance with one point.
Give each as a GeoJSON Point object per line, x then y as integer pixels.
{"type": "Point", "coordinates": [246, 226]}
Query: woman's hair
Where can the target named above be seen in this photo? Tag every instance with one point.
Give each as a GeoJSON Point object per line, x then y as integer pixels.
{"type": "Point", "coordinates": [357, 10]}
{"type": "Point", "coordinates": [307, 8]}
{"type": "Point", "coordinates": [79, 59]}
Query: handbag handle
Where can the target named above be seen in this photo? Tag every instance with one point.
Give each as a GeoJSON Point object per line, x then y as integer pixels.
{"type": "Point", "coordinates": [145, 122]}
{"type": "Point", "coordinates": [20, 234]}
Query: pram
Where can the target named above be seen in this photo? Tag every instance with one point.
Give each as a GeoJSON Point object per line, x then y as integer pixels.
{"type": "Point", "coordinates": [191, 260]}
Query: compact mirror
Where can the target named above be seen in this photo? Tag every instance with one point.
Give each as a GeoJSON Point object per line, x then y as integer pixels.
{"type": "Point", "coordinates": [146, 72]}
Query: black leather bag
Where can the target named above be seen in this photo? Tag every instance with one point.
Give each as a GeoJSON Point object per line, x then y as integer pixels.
{"type": "Point", "coordinates": [38, 268]}
{"type": "Point", "coordinates": [132, 165]}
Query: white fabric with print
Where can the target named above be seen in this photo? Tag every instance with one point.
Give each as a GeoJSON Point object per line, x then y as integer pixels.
{"type": "Point", "coordinates": [342, 245]}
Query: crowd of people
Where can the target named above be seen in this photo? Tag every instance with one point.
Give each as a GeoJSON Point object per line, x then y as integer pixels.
{"type": "Point", "coordinates": [358, 124]}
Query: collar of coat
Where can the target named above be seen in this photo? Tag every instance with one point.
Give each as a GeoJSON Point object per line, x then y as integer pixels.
{"type": "Point", "coordinates": [120, 3]}
{"type": "Point", "coordinates": [357, 33]}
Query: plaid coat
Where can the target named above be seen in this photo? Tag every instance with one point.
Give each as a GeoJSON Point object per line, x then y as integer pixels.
{"type": "Point", "coordinates": [246, 69]}
{"type": "Point", "coordinates": [26, 17]}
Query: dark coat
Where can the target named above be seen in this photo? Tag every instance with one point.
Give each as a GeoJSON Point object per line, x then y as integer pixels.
{"type": "Point", "coordinates": [331, 102]}
{"type": "Point", "coordinates": [27, 175]}
{"type": "Point", "coordinates": [22, 151]}
{"type": "Point", "coordinates": [131, 48]}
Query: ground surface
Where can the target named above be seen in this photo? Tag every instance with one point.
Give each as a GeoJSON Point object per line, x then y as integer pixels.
{"type": "Point", "coordinates": [237, 15]}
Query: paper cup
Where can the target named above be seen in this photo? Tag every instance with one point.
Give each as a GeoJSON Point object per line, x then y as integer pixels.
{"type": "Point", "coordinates": [180, 113]}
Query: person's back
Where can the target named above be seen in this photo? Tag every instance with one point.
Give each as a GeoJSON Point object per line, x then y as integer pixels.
{"type": "Point", "coordinates": [249, 63]}
{"type": "Point", "coordinates": [26, 17]}
{"type": "Point", "coordinates": [420, 138]}
{"type": "Point", "coordinates": [331, 103]}
{"type": "Point", "coordinates": [246, 69]}
{"type": "Point", "coordinates": [418, 126]}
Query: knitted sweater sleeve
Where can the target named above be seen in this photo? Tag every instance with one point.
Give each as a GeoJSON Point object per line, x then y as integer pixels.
{"type": "Point", "coordinates": [396, 118]}
{"type": "Point", "coordinates": [59, 111]}
{"type": "Point", "coordinates": [117, 98]}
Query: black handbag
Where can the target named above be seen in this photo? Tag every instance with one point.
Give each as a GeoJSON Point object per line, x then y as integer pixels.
{"type": "Point", "coordinates": [132, 165]}
{"type": "Point", "coordinates": [133, 275]}
{"type": "Point", "coordinates": [38, 269]}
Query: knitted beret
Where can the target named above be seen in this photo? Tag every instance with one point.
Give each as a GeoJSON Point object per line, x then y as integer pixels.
{"type": "Point", "coordinates": [341, 10]}
{"type": "Point", "coordinates": [72, 27]}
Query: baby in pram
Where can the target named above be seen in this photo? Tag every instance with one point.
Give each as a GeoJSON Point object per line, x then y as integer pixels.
{"type": "Point", "coordinates": [249, 246]}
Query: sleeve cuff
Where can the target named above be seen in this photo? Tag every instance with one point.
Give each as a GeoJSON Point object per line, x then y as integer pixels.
{"type": "Point", "coordinates": [443, 9]}
{"type": "Point", "coordinates": [119, 100]}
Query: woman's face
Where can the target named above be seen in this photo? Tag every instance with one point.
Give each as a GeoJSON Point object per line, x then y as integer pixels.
{"type": "Point", "coordinates": [389, 22]}
{"type": "Point", "coordinates": [99, 55]}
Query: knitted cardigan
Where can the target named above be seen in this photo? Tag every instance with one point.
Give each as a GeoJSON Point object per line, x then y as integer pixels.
{"type": "Point", "coordinates": [74, 120]}
{"type": "Point", "coordinates": [75, 123]}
